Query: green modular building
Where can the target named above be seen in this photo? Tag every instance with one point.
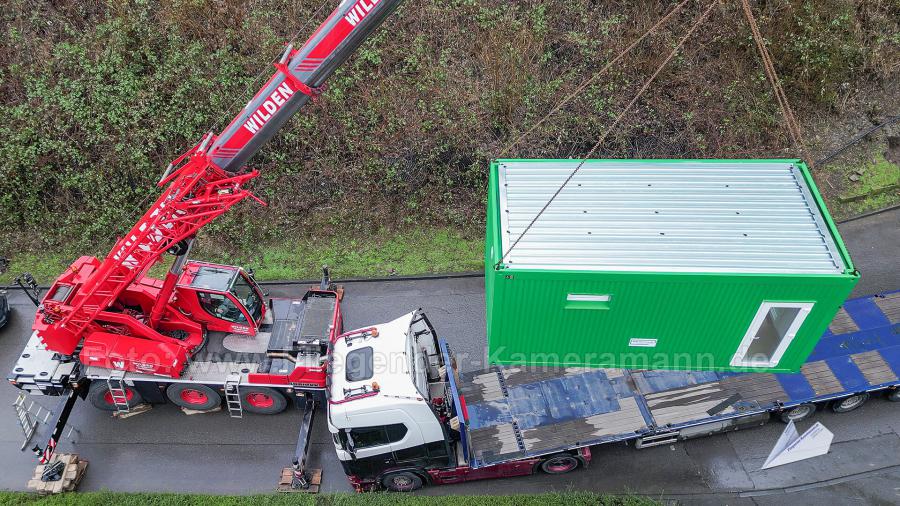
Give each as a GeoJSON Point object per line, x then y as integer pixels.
{"type": "Point", "coordinates": [660, 264]}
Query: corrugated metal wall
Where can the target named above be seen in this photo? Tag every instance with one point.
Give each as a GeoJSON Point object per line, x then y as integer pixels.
{"type": "Point", "coordinates": [697, 320]}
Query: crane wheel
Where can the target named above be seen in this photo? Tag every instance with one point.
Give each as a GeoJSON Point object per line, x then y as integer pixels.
{"type": "Point", "coordinates": [894, 395]}
{"type": "Point", "coordinates": [262, 400]}
{"type": "Point", "coordinates": [193, 396]}
{"type": "Point", "coordinates": [102, 399]}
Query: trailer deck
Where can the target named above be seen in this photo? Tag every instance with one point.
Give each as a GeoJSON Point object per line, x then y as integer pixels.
{"type": "Point", "coordinates": [516, 412]}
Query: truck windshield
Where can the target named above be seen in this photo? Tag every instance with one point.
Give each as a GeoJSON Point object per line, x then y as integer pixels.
{"type": "Point", "coordinates": [247, 295]}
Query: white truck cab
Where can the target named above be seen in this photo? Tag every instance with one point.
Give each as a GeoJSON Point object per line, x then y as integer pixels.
{"type": "Point", "coordinates": [387, 403]}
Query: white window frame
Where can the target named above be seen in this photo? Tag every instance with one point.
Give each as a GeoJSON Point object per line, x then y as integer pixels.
{"type": "Point", "coordinates": [739, 358]}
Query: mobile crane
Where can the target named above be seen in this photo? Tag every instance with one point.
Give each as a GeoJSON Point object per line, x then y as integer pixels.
{"type": "Point", "coordinates": [205, 331]}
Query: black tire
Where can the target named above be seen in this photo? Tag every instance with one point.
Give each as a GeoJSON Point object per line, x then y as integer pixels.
{"type": "Point", "coordinates": [849, 403]}
{"type": "Point", "coordinates": [101, 398]}
{"type": "Point", "coordinates": [798, 413]}
{"type": "Point", "coordinates": [893, 395]}
{"type": "Point", "coordinates": [560, 463]}
{"type": "Point", "coordinates": [193, 396]}
{"type": "Point", "coordinates": [262, 400]}
{"type": "Point", "coordinates": [403, 481]}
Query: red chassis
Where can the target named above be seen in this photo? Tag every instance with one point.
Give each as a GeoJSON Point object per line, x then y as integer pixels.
{"type": "Point", "coordinates": [460, 474]}
{"type": "Point", "coordinates": [123, 340]}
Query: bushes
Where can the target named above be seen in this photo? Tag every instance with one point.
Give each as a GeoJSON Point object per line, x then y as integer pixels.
{"type": "Point", "coordinates": [97, 97]}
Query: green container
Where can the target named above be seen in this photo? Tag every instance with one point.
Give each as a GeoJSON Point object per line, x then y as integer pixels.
{"type": "Point", "coordinates": [661, 264]}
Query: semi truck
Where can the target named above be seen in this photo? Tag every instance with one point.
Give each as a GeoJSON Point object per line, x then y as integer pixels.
{"type": "Point", "coordinates": [403, 413]}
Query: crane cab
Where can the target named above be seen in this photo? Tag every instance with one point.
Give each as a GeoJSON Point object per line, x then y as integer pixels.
{"type": "Point", "coordinates": [223, 298]}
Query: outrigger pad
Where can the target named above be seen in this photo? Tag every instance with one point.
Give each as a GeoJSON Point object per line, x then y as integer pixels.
{"type": "Point", "coordinates": [287, 478]}
{"type": "Point", "coordinates": [72, 474]}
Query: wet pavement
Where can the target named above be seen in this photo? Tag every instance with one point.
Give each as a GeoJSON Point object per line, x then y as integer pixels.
{"type": "Point", "coordinates": [165, 450]}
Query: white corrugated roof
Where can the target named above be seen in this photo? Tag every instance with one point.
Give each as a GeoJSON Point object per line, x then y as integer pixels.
{"type": "Point", "coordinates": [664, 216]}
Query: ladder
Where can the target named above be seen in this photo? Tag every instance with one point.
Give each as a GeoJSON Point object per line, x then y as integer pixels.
{"type": "Point", "coordinates": [28, 419]}
{"type": "Point", "coordinates": [233, 395]}
{"type": "Point", "coordinates": [31, 416]}
{"type": "Point", "coordinates": [116, 384]}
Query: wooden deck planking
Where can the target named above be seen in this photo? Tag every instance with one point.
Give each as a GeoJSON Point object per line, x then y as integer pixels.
{"type": "Point", "coordinates": [762, 388]}
{"type": "Point", "coordinates": [482, 387]}
{"type": "Point", "coordinates": [842, 323]}
{"type": "Point", "coordinates": [821, 378]}
{"type": "Point", "coordinates": [874, 368]}
{"type": "Point", "coordinates": [515, 376]}
{"type": "Point", "coordinates": [491, 444]}
{"type": "Point", "coordinates": [572, 432]}
{"type": "Point", "coordinates": [687, 403]}
{"type": "Point", "coordinates": [890, 306]}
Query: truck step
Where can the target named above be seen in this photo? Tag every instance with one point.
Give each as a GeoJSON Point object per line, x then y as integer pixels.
{"type": "Point", "coordinates": [656, 440]}
{"type": "Point", "coordinates": [233, 395]}
{"type": "Point", "coordinates": [116, 385]}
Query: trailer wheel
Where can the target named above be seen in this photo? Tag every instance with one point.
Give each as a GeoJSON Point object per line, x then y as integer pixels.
{"type": "Point", "coordinates": [560, 463]}
{"type": "Point", "coordinates": [850, 403]}
{"type": "Point", "coordinates": [262, 400]}
{"type": "Point", "coordinates": [894, 395]}
{"type": "Point", "coordinates": [798, 413]}
{"type": "Point", "coordinates": [102, 399]}
{"type": "Point", "coordinates": [403, 481]}
{"type": "Point", "coordinates": [193, 396]}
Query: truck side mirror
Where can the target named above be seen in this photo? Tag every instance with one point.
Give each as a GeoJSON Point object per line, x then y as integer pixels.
{"type": "Point", "coordinates": [326, 278]}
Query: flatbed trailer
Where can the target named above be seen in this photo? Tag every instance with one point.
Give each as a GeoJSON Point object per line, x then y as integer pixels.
{"type": "Point", "coordinates": [403, 414]}
{"type": "Point", "coordinates": [509, 414]}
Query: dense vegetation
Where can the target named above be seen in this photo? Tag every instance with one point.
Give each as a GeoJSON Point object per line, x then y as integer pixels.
{"type": "Point", "coordinates": [96, 97]}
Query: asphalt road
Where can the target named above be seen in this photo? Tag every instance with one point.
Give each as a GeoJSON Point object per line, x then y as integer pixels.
{"type": "Point", "coordinates": [166, 450]}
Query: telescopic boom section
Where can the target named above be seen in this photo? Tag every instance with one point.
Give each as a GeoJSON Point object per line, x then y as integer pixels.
{"type": "Point", "coordinates": [300, 75]}
{"type": "Point", "coordinates": [201, 185]}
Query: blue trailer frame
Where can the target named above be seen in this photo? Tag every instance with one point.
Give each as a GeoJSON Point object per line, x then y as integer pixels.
{"type": "Point", "coordinates": [511, 413]}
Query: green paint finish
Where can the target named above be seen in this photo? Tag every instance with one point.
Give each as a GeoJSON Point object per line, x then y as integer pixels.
{"type": "Point", "coordinates": [646, 320]}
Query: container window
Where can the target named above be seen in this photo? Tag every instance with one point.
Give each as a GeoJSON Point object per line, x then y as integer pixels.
{"type": "Point", "coordinates": [587, 301]}
{"type": "Point", "coordinates": [771, 332]}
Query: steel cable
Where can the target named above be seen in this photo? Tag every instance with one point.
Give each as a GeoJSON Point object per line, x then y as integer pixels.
{"type": "Point", "coordinates": [791, 123]}
{"type": "Point", "coordinates": [596, 75]}
{"type": "Point", "coordinates": [615, 123]}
